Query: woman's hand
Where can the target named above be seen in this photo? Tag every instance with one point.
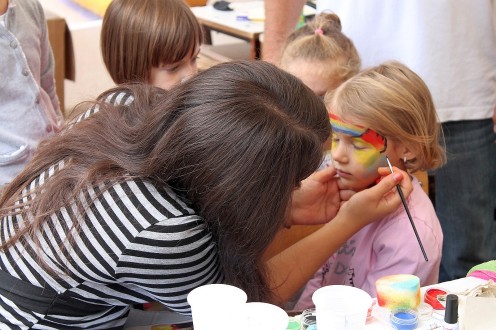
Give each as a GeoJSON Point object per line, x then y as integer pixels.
{"type": "Point", "coordinates": [345, 194]}
{"type": "Point", "coordinates": [378, 201]}
{"type": "Point", "coordinates": [317, 200]}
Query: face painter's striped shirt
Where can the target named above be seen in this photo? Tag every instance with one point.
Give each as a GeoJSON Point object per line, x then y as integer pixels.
{"type": "Point", "coordinates": [138, 243]}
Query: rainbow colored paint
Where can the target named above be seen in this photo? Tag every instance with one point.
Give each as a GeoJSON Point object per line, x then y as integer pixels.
{"type": "Point", "coordinates": [398, 292]}
{"type": "Point", "coordinates": [368, 135]}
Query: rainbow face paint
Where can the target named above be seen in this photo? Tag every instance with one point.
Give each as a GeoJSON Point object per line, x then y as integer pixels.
{"type": "Point", "coordinates": [364, 153]}
{"type": "Point", "coordinates": [367, 135]}
{"type": "Point", "coordinates": [357, 152]}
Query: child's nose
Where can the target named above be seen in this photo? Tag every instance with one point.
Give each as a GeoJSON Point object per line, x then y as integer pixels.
{"type": "Point", "coordinates": [338, 153]}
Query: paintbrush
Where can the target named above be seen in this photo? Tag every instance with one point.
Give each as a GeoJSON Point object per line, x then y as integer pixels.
{"type": "Point", "coordinates": [408, 213]}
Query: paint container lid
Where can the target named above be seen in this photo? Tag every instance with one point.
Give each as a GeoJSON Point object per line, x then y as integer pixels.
{"type": "Point", "coordinates": [424, 311]}
{"type": "Point", "coordinates": [404, 319]}
{"type": "Point", "coordinates": [432, 297]}
{"type": "Point", "coordinates": [451, 313]}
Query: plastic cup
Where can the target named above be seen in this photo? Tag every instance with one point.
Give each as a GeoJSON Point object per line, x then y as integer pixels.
{"type": "Point", "coordinates": [264, 316]}
{"type": "Point", "coordinates": [217, 306]}
{"type": "Point", "coordinates": [341, 307]}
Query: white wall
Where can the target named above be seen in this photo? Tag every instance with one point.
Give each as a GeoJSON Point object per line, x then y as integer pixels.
{"type": "Point", "coordinates": [91, 77]}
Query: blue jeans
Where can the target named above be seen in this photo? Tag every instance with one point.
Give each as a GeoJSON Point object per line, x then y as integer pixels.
{"type": "Point", "coordinates": [466, 196]}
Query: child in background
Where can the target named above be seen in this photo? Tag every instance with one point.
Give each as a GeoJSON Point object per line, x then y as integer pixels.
{"type": "Point", "coordinates": [384, 111]}
{"type": "Point", "coordinates": [30, 109]}
{"type": "Point", "coordinates": [152, 41]}
{"type": "Point", "coordinates": [320, 54]}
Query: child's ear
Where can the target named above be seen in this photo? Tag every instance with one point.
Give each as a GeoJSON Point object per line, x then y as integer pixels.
{"type": "Point", "coordinates": [408, 154]}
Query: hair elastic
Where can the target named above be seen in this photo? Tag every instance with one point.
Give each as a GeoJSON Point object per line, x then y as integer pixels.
{"type": "Point", "coordinates": [319, 31]}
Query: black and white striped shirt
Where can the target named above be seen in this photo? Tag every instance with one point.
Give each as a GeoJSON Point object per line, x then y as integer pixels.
{"type": "Point", "coordinates": [137, 243]}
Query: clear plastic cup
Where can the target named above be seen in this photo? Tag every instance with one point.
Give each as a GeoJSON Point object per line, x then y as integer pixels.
{"type": "Point", "coordinates": [264, 316]}
{"type": "Point", "coordinates": [341, 307]}
{"type": "Point", "coordinates": [217, 306]}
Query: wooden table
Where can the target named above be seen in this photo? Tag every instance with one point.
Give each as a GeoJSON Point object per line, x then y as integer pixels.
{"type": "Point", "coordinates": [234, 23]}
{"type": "Point", "coordinates": [245, 21]}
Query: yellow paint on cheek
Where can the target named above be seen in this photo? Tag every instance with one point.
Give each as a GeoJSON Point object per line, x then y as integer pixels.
{"type": "Point", "coordinates": [367, 158]}
{"type": "Point", "coordinates": [363, 153]}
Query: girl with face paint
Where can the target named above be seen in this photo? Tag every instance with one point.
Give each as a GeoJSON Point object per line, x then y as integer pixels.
{"type": "Point", "coordinates": [383, 111]}
{"type": "Point", "coordinates": [356, 153]}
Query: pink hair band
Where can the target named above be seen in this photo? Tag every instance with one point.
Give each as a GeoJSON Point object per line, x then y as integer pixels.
{"type": "Point", "coordinates": [319, 31]}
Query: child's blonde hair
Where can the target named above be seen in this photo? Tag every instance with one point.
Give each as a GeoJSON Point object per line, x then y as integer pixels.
{"type": "Point", "coordinates": [139, 35]}
{"type": "Point", "coordinates": [394, 101]}
{"type": "Point", "coordinates": [321, 39]}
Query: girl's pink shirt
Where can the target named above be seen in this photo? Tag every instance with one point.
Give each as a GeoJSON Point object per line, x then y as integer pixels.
{"type": "Point", "coordinates": [385, 247]}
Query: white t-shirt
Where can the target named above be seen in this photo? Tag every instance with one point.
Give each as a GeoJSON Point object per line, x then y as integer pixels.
{"type": "Point", "coordinates": [451, 44]}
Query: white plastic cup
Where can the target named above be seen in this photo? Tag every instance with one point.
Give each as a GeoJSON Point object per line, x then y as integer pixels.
{"type": "Point", "coordinates": [341, 307]}
{"type": "Point", "coordinates": [264, 316]}
{"type": "Point", "coordinates": [217, 306]}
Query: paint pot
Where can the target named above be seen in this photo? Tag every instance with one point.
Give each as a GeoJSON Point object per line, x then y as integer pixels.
{"type": "Point", "coordinates": [294, 324]}
{"type": "Point", "coordinates": [308, 318]}
{"type": "Point", "coordinates": [432, 297]}
{"type": "Point", "coordinates": [424, 311]}
{"type": "Point", "coordinates": [401, 291]}
{"type": "Point", "coordinates": [404, 319]}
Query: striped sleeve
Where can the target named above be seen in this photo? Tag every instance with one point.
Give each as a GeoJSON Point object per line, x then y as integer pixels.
{"type": "Point", "coordinates": [170, 257]}
{"type": "Point", "coordinates": [117, 99]}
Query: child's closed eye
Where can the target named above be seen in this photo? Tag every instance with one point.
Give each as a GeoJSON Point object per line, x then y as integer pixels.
{"type": "Point", "coordinates": [171, 68]}
{"type": "Point", "coordinates": [356, 143]}
{"type": "Point", "coordinates": [361, 145]}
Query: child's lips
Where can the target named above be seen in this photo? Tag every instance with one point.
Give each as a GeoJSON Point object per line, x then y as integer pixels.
{"type": "Point", "coordinates": [343, 174]}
